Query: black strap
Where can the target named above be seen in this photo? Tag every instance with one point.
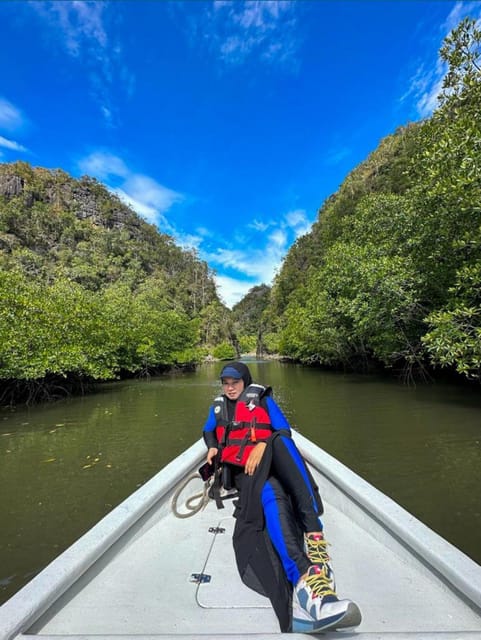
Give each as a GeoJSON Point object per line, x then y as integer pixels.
{"type": "Point", "coordinates": [214, 491]}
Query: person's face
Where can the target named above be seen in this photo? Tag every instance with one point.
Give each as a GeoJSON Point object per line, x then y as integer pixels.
{"type": "Point", "coordinates": [232, 387]}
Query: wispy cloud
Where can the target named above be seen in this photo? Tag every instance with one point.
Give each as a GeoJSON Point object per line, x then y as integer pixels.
{"type": "Point", "coordinates": [11, 144]}
{"type": "Point", "coordinates": [249, 267]}
{"type": "Point", "coordinates": [80, 24]}
{"type": "Point", "coordinates": [80, 28]}
{"type": "Point", "coordinates": [146, 196]}
{"type": "Point", "coordinates": [258, 225]}
{"type": "Point", "coordinates": [11, 118]}
{"type": "Point", "coordinates": [104, 165]}
{"type": "Point", "coordinates": [149, 199]}
{"type": "Point", "coordinates": [231, 290]}
{"type": "Point", "coordinates": [336, 156]}
{"type": "Point", "coordinates": [261, 258]}
{"type": "Point", "coordinates": [298, 222]}
{"type": "Point", "coordinates": [427, 82]}
{"type": "Point", "coordinates": [237, 31]}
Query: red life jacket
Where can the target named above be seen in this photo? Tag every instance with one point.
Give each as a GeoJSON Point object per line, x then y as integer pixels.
{"type": "Point", "coordinates": [251, 424]}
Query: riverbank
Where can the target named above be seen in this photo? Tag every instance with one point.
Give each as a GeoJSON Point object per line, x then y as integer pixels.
{"type": "Point", "coordinates": [52, 388]}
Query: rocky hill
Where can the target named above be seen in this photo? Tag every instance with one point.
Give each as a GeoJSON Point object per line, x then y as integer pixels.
{"type": "Point", "coordinates": [51, 223]}
{"type": "Point", "coordinates": [89, 291]}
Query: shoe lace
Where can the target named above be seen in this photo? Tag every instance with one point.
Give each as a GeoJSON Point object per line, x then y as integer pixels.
{"type": "Point", "coordinates": [319, 584]}
{"type": "Point", "coordinates": [317, 550]}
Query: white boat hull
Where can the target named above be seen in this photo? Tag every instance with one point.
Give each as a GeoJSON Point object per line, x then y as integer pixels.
{"type": "Point", "coordinates": [130, 576]}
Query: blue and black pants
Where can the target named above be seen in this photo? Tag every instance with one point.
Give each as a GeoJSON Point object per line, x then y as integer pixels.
{"type": "Point", "coordinates": [291, 505]}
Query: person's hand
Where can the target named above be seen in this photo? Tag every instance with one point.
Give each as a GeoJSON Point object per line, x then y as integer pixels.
{"type": "Point", "coordinates": [254, 458]}
{"type": "Point", "coordinates": [211, 454]}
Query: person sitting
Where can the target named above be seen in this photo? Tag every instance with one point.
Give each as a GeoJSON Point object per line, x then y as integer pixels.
{"type": "Point", "coordinates": [279, 507]}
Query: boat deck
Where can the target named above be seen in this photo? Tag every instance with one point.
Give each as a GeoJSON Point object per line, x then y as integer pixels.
{"type": "Point", "coordinates": [142, 587]}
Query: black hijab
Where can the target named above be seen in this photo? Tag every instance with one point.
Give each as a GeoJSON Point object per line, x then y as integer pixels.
{"type": "Point", "coordinates": [241, 368]}
{"type": "Point", "coordinates": [244, 374]}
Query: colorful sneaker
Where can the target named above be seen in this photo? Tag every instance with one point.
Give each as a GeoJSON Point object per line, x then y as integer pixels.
{"type": "Point", "coordinates": [316, 607]}
{"type": "Point", "coordinates": [315, 546]}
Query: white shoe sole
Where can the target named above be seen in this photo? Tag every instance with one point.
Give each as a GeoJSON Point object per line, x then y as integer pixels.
{"type": "Point", "coordinates": [351, 617]}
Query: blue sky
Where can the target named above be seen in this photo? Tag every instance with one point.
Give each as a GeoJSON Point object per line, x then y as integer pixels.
{"type": "Point", "coordinates": [226, 124]}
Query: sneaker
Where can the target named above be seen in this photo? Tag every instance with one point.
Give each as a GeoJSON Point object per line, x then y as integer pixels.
{"type": "Point", "coordinates": [317, 608]}
{"type": "Point", "coordinates": [315, 546]}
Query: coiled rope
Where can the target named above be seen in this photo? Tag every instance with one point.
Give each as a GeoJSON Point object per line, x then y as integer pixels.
{"type": "Point", "coordinates": [195, 503]}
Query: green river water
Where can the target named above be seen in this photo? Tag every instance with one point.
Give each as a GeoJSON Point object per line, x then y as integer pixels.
{"type": "Point", "coordinates": [65, 465]}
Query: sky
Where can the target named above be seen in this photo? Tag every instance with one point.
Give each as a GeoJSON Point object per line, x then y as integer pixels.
{"type": "Point", "coordinates": [225, 124]}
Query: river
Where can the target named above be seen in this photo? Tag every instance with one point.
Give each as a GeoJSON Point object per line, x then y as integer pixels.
{"type": "Point", "coordinates": [65, 465]}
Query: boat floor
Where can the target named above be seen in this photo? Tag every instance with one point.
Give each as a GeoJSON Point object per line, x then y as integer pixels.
{"type": "Point", "coordinates": [143, 585]}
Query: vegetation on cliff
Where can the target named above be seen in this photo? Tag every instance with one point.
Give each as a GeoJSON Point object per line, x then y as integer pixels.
{"type": "Point", "coordinates": [90, 291]}
{"type": "Point", "coordinates": [391, 271]}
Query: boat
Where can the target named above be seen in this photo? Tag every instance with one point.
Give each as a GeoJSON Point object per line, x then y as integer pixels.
{"type": "Point", "coordinates": [148, 571]}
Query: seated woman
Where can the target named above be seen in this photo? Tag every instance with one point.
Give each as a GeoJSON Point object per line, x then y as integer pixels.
{"type": "Point", "coordinates": [279, 507]}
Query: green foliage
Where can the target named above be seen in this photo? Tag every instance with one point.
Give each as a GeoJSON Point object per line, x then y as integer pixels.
{"type": "Point", "coordinates": [247, 344]}
{"type": "Point", "coordinates": [461, 50]}
{"type": "Point", "coordinates": [63, 329]}
{"type": "Point", "coordinates": [87, 288]}
{"type": "Point", "coordinates": [271, 342]}
{"type": "Point", "coordinates": [391, 271]}
{"type": "Point", "coordinates": [250, 319]}
{"type": "Point", "coordinates": [224, 351]}
{"type": "Point", "coordinates": [215, 324]}
{"type": "Point", "coordinates": [454, 338]}
{"type": "Point", "coordinates": [57, 329]}
{"type": "Point", "coordinates": [247, 314]}
{"type": "Point", "coordinates": [55, 226]}
{"type": "Point", "coordinates": [450, 193]}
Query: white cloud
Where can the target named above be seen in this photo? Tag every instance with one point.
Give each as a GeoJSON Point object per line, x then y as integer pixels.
{"type": "Point", "coordinates": [231, 290]}
{"type": "Point", "coordinates": [259, 264]}
{"type": "Point", "coordinates": [254, 266]}
{"type": "Point", "coordinates": [188, 240]}
{"type": "Point", "coordinates": [427, 82]}
{"type": "Point", "coordinates": [151, 193]}
{"type": "Point", "coordinates": [11, 118]}
{"type": "Point", "coordinates": [146, 196]}
{"type": "Point", "coordinates": [235, 31]}
{"type": "Point", "coordinates": [260, 259]}
{"type": "Point", "coordinates": [430, 86]}
{"type": "Point", "coordinates": [460, 11]}
{"type": "Point", "coordinates": [79, 22]}
{"type": "Point", "coordinates": [80, 28]}
{"type": "Point", "coordinates": [147, 212]}
{"type": "Point", "coordinates": [298, 222]}
{"type": "Point", "coordinates": [11, 144]}
{"type": "Point", "coordinates": [278, 238]}
{"type": "Point", "coordinates": [258, 225]}
{"type": "Point", "coordinates": [204, 232]}
{"type": "Point", "coordinates": [102, 165]}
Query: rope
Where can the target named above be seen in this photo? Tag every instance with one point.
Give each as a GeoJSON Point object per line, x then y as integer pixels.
{"type": "Point", "coordinates": [191, 504]}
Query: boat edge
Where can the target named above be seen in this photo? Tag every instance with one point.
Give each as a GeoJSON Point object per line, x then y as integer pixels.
{"type": "Point", "coordinates": [463, 573]}
{"type": "Point", "coordinates": [26, 606]}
